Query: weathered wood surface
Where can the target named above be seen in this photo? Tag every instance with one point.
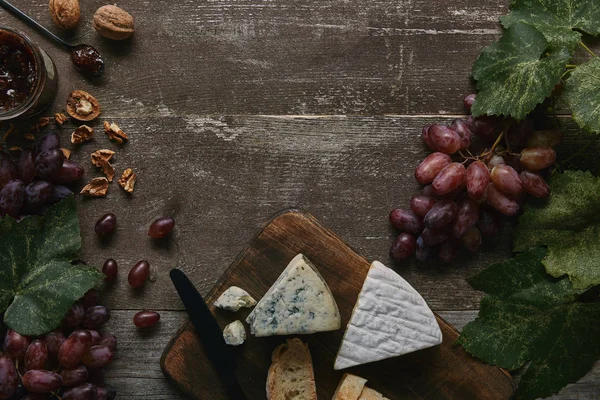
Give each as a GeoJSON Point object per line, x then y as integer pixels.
{"type": "Point", "coordinates": [218, 96]}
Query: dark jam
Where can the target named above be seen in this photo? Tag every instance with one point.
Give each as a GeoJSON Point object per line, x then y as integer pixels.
{"type": "Point", "coordinates": [87, 59]}
{"type": "Point", "coordinates": [17, 71]}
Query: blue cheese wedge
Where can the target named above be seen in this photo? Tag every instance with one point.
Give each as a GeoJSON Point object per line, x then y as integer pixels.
{"type": "Point", "coordinates": [234, 298]}
{"type": "Point", "coordinates": [389, 319]}
{"type": "Point", "coordinates": [299, 302]}
{"type": "Point", "coordinates": [234, 333]}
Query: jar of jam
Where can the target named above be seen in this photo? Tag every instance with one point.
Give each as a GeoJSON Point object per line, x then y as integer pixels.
{"type": "Point", "coordinates": [28, 79]}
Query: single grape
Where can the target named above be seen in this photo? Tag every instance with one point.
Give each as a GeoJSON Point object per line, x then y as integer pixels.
{"type": "Point", "coordinates": [139, 274]}
{"type": "Point", "coordinates": [70, 171]}
{"type": "Point", "coordinates": [545, 139]}
{"type": "Point", "coordinates": [537, 158]}
{"type": "Point", "coordinates": [97, 357]}
{"type": "Point", "coordinates": [106, 393]}
{"type": "Point", "coordinates": [9, 379]}
{"type": "Point", "coordinates": [48, 163]}
{"type": "Point", "coordinates": [53, 341]}
{"type": "Point", "coordinates": [161, 227]}
{"type": "Point", "coordinates": [449, 250]}
{"type": "Point", "coordinates": [425, 136]}
{"type": "Point", "coordinates": [500, 201]}
{"type": "Point", "coordinates": [507, 180]}
{"type": "Point", "coordinates": [421, 204]}
{"type": "Point", "coordinates": [74, 316]}
{"type": "Point", "coordinates": [535, 185]}
{"type": "Point", "coordinates": [12, 197]}
{"type": "Point", "coordinates": [433, 237]}
{"type": "Point", "coordinates": [461, 127]}
{"type": "Point", "coordinates": [466, 217]}
{"type": "Point", "coordinates": [472, 240]}
{"type": "Point", "coordinates": [406, 220]}
{"type": "Point", "coordinates": [428, 190]}
{"type": "Point", "coordinates": [477, 179]}
{"type": "Point", "coordinates": [146, 319]}
{"type": "Point", "coordinates": [488, 222]}
{"type": "Point", "coordinates": [36, 355]}
{"type": "Point", "coordinates": [109, 340]}
{"type": "Point", "coordinates": [450, 179]}
{"type": "Point", "coordinates": [74, 376]}
{"type": "Point", "coordinates": [484, 127]}
{"type": "Point", "coordinates": [38, 194]}
{"type": "Point", "coordinates": [95, 317]}
{"type": "Point", "coordinates": [26, 167]}
{"type": "Point", "coordinates": [60, 192]}
{"type": "Point", "coordinates": [431, 167]}
{"type": "Point", "coordinates": [96, 338]}
{"type": "Point", "coordinates": [106, 225]}
{"type": "Point", "coordinates": [86, 391]}
{"type": "Point", "coordinates": [15, 344]}
{"type": "Point", "coordinates": [444, 139]}
{"type": "Point", "coordinates": [518, 134]}
{"type": "Point", "coordinates": [8, 170]}
{"type": "Point", "coordinates": [496, 160]}
{"type": "Point", "coordinates": [49, 141]}
{"type": "Point", "coordinates": [90, 298]}
{"type": "Point", "coordinates": [110, 270]}
{"type": "Point", "coordinates": [441, 214]}
{"type": "Point", "coordinates": [403, 247]}
{"type": "Point", "coordinates": [423, 252]}
{"type": "Point", "coordinates": [41, 381]}
{"type": "Point", "coordinates": [468, 101]}
{"type": "Point", "coordinates": [72, 350]}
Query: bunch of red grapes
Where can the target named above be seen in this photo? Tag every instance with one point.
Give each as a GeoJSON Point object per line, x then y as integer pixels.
{"type": "Point", "coordinates": [37, 179]}
{"type": "Point", "coordinates": [65, 364]}
{"type": "Point", "coordinates": [480, 169]}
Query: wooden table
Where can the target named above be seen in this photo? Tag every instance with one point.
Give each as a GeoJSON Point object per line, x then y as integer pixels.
{"type": "Point", "coordinates": [237, 109]}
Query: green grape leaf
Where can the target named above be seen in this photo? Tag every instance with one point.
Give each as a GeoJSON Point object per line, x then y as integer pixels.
{"type": "Point", "coordinates": [569, 225]}
{"type": "Point", "coordinates": [557, 19]}
{"type": "Point", "coordinates": [530, 319]}
{"type": "Point", "coordinates": [38, 283]}
{"type": "Point", "coordinates": [582, 93]}
{"type": "Point", "coordinates": [515, 74]}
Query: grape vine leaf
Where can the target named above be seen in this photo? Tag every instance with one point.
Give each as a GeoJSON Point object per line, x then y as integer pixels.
{"type": "Point", "coordinates": [582, 93]}
{"type": "Point", "coordinates": [529, 317]}
{"type": "Point", "coordinates": [569, 225]}
{"type": "Point", "coordinates": [38, 284]}
{"type": "Point", "coordinates": [516, 73]}
{"type": "Point", "coordinates": [557, 19]}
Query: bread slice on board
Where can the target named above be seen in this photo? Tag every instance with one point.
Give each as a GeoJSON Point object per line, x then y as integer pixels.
{"type": "Point", "coordinates": [370, 394]}
{"type": "Point", "coordinates": [291, 375]}
{"type": "Point", "coordinates": [350, 387]}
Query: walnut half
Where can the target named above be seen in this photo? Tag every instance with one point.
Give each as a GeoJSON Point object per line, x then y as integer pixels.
{"type": "Point", "coordinates": [127, 180]}
{"type": "Point", "coordinates": [82, 134]}
{"type": "Point", "coordinates": [114, 132]}
{"type": "Point", "coordinates": [96, 188]}
{"type": "Point", "coordinates": [82, 106]}
{"type": "Point", "coordinates": [101, 158]}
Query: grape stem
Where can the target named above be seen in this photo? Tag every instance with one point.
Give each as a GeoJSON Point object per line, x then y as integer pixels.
{"type": "Point", "coordinates": [587, 49]}
{"type": "Point", "coordinates": [491, 152]}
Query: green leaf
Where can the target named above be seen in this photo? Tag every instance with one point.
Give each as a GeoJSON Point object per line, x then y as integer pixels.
{"type": "Point", "coordinates": [557, 19]}
{"type": "Point", "coordinates": [529, 317]}
{"type": "Point", "coordinates": [515, 74]}
{"type": "Point", "coordinates": [569, 224]}
{"type": "Point", "coordinates": [38, 284]}
{"type": "Point", "coordinates": [582, 93]}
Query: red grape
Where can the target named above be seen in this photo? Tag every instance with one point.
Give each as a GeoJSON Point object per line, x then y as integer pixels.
{"type": "Point", "coordinates": [423, 252]}
{"type": "Point", "coordinates": [468, 101]}
{"type": "Point", "coordinates": [449, 250]}
{"type": "Point", "coordinates": [496, 160]}
{"type": "Point", "coordinates": [70, 171]}
{"type": "Point", "coordinates": [472, 240]}
{"type": "Point", "coordinates": [425, 136]}
{"type": "Point", "coordinates": [15, 344]}
{"type": "Point", "coordinates": [84, 392]}
{"type": "Point", "coordinates": [545, 139]}
{"type": "Point", "coordinates": [484, 127]}
{"type": "Point", "coordinates": [406, 221]}
{"type": "Point", "coordinates": [461, 127]}
{"type": "Point", "coordinates": [106, 225]}
{"type": "Point", "coordinates": [146, 319]}
{"type": "Point", "coordinates": [477, 179]}
{"type": "Point", "coordinates": [500, 201]}
{"type": "Point", "coordinates": [161, 227]}
{"type": "Point", "coordinates": [72, 350]}
{"type": "Point", "coordinates": [97, 357]}
{"type": "Point", "coordinates": [26, 168]}
{"type": "Point", "coordinates": [507, 180]}
{"type": "Point", "coordinates": [41, 381]}
{"type": "Point", "coordinates": [441, 214]}
{"type": "Point", "coordinates": [444, 139]}
{"type": "Point", "coordinates": [106, 393]}
{"type": "Point", "coordinates": [431, 167]}
{"type": "Point", "coordinates": [8, 170]}
{"type": "Point", "coordinates": [49, 141]}
{"type": "Point", "coordinates": [466, 217]}
{"type": "Point", "coordinates": [9, 379]}
{"type": "Point", "coordinates": [422, 204]}
{"type": "Point", "coordinates": [433, 237]}
{"type": "Point", "coordinates": [109, 340]}
{"type": "Point", "coordinates": [95, 317]}
{"type": "Point", "coordinates": [38, 194]}
{"type": "Point", "coordinates": [139, 274]}
{"type": "Point", "coordinates": [48, 163]}
{"type": "Point", "coordinates": [96, 338]}
{"type": "Point", "coordinates": [535, 185]}
{"type": "Point", "coordinates": [12, 197]}
{"type": "Point", "coordinates": [518, 134]}
{"type": "Point", "coordinates": [75, 315]}
{"type": "Point", "coordinates": [450, 179]}
{"type": "Point", "coordinates": [36, 355]}
{"type": "Point", "coordinates": [488, 222]}
{"type": "Point", "coordinates": [428, 190]}
{"type": "Point", "coordinates": [53, 341]}
{"type": "Point", "coordinates": [404, 246]}
{"type": "Point", "coordinates": [90, 298]}
{"type": "Point", "coordinates": [74, 376]}
{"type": "Point", "coordinates": [537, 158]}
{"type": "Point", "coordinates": [111, 270]}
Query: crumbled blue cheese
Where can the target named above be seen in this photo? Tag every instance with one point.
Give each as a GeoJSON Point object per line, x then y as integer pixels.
{"type": "Point", "coordinates": [234, 333]}
{"type": "Point", "coordinates": [389, 319]}
{"type": "Point", "coordinates": [299, 302]}
{"type": "Point", "coordinates": [234, 298]}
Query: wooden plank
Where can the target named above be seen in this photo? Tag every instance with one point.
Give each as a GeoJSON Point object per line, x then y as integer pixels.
{"type": "Point", "coordinates": [444, 371]}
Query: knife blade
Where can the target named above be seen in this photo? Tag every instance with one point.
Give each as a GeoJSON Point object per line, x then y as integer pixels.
{"type": "Point", "coordinates": [209, 333]}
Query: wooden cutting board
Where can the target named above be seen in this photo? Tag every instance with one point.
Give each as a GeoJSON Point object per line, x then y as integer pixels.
{"type": "Point", "coordinates": [442, 372]}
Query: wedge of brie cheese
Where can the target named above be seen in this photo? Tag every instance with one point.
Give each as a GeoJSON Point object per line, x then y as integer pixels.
{"type": "Point", "coordinates": [234, 333]}
{"type": "Point", "coordinates": [299, 302]}
{"type": "Point", "coordinates": [389, 319]}
{"type": "Point", "coordinates": [234, 298]}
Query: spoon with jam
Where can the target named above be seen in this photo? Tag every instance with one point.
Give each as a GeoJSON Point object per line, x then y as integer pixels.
{"type": "Point", "coordinates": [85, 58]}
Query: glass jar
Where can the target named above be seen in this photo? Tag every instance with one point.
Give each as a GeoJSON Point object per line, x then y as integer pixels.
{"type": "Point", "coordinates": [28, 78]}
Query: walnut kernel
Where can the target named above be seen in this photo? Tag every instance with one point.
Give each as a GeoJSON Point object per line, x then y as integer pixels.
{"type": "Point", "coordinates": [127, 180]}
{"type": "Point", "coordinates": [96, 188]}
{"type": "Point", "coordinates": [82, 134]}
{"type": "Point", "coordinates": [114, 132]}
{"type": "Point", "coordinates": [60, 118]}
{"type": "Point", "coordinates": [82, 106]}
{"type": "Point", "coordinates": [66, 153]}
{"type": "Point", "coordinates": [100, 158]}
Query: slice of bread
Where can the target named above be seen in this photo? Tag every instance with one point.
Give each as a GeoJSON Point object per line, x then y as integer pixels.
{"type": "Point", "coordinates": [291, 375]}
{"type": "Point", "coordinates": [370, 394]}
{"type": "Point", "coordinates": [350, 387]}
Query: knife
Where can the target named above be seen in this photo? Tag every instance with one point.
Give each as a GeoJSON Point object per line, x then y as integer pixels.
{"type": "Point", "coordinates": [209, 332]}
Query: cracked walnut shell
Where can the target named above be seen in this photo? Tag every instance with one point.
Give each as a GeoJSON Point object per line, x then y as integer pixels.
{"type": "Point", "coordinates": [127, 180]}
{"type": "Point", "coordinates": [115, 133]}
{"type": "Point", "coordinates": [82, 134]}
{"type": "Point", "coordinates": [82, 106]}
{"type": "Point", "coordinates": [96, 188]}
{"type": "Point", "coordinates": [100, 158]}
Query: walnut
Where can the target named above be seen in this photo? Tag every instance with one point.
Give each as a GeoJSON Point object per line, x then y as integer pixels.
{"type": "Point", "coordinates": [113, 22]}
{"type": "Point", "coordinates": [66, 153]}
{"type": "Point", "coordinates": [114, 132]}
{"type": "Point", "coordinates": [127, 180]}
{"type": "Point", "coordinates": [96, 188]}
{"type": "Point", "coordinates": [82, 134]}
{"type": "Point", "coordinates": [100, 158]}
{"type": "Point", "coordinates": [60, 118]}
{"type": "Point", "coordinates": [65, 13]}
{"type": "Point", "coordinates": [29, 137]}
{"type": "Point", "coordinates": [82, 106]}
